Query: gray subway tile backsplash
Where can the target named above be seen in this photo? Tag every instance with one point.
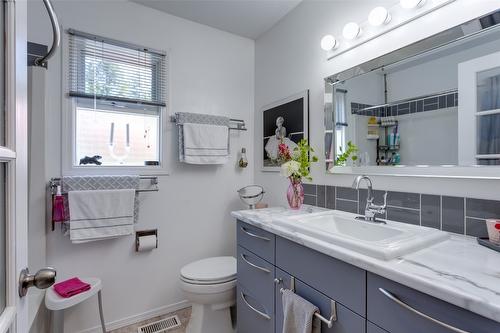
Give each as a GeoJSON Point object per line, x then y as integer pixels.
{"type": "Point", "coordinates": [310, 200]}
{"type": "Point", "coordinates": [431, 211]}
{"type": "Point", "coordinates": [309, 189]}
{"type": "Point", "coordinates": [330, 197]}
{"type": "Point", "coordinates": [347, 193]}
{"type": "Point", "coordinates": [347, 205]}
{"type": "Point", "coordinates": [404, 199]}
{"type": "Point", "coordinates": [321, 195]}
{"type": "Point", "coordinates": [453, 214]}
{"type": "Point", "coordinates": [482, 209]}
{"type": "Point", "coordinates": [475, 227]}
{"type": "Point", "coordinates": [410, 216]}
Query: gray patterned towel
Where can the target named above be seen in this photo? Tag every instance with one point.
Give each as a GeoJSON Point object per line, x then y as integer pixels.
{"type": "Point", "coordinates": [196, 118]}
{"type": "Point", "coordinates": [298, 314]}
{"type": "Point", "coordinates": [86, 183]}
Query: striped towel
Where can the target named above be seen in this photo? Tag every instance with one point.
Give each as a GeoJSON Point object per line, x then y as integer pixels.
{"type": "Point", "coordinates": [101, 214]}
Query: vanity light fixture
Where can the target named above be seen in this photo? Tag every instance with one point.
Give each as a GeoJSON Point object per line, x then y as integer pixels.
{"type": "Point", "coordinates": [328, 42]}
{"type": "Point", "coordinates": [351, 31]}
{"type": "Point", "coordinates": [411, 4]}
{"type": "Point", "coordinates": [379, 16]}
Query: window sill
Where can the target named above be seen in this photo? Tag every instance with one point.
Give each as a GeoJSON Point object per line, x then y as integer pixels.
{"type": "Point", "coordinates": [112, 170]}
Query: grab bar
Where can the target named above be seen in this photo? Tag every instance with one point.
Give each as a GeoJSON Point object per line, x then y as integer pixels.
{"type": "Point", "coordinates": [395, 299]}
{"type": "Point", "coordinates": [260, 313]}
{"type": "Point", "coordinates": [254, 265]}
{"type": "Point", "coordinates": [56, 31]}
{"type": "Point", "coordinates": [254, 235]}
{"type": "Point", "coordinates": [333, 305]}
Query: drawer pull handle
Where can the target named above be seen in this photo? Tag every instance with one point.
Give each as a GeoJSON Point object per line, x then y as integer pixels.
{"type": "Point", "coordinates": [260, 313]}
{"type": "Point", "coordinates": [254, 265]}
{"type": "Point", "coordinates": [254, 235]}
{"type": "Point", "coordinates": [395, 299]}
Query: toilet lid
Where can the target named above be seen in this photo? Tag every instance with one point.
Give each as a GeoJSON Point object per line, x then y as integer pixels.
{"type": "Point", "coordinates": [213, 270]}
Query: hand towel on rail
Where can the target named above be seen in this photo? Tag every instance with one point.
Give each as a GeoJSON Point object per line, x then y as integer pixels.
{"type": "Point", "coordinates": [102, 214]}
{"type": "Point", "coordinates": [117, 182]}
{"type": "Point", "coordinates": [298, 314]}
{"type": "Point", "coordinates": [205, 144]}
{"type": "Point", "coordinates": [196, 118]}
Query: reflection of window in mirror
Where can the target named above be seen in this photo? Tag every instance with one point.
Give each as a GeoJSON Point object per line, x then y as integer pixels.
{"type": "Point", "coordinates": [340, 121]}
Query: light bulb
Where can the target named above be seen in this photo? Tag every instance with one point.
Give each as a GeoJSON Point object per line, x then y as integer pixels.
{"type": "Point", "coordinates": [410, 4]}
{"type": "Point", "coordinates": [379, 16]}
{"type": "Point", "coordinates": [351, 31]}
{"type": "Point", "coordinates": [328, 42]}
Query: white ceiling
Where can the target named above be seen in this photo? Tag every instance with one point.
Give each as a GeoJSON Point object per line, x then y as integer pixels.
{"type": "Point", "coordinates": [247, 18]}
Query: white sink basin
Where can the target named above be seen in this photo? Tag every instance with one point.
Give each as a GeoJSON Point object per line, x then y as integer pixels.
{"type": "Point", "coordinates": [381, 241]}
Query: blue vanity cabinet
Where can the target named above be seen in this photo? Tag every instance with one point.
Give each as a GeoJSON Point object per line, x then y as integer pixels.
{"type": "Point", "coordinates": [399, 318]}
{"type": "Point", "coordinates": [372, 328]}
{"type": "Point", "coordinates": [336, 279]}
{"type": "Point", "coordinates": [347, 320]}
{"type": "Point", "coordinates": [255, 286]}
{"type": "Point", "coordinates": [258, 241]}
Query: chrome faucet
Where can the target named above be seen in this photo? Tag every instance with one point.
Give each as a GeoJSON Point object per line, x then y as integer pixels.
{"type": "Point", "coordinates": [371, 209]}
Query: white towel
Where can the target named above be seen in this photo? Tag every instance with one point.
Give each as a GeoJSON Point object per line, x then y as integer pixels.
{"type": "Point", "coordinates": [205, 144]}
{"type": "Point", "coordinates": [101, 214]}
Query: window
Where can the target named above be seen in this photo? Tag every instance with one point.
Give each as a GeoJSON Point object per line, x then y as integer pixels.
{"type": "Point", "coordinates": [340, 122]}
{"type": "Point", "coordinates": [118, 102]}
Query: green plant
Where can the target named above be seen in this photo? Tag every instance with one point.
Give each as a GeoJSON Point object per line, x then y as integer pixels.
{"type": "Point", "coordinates": [299, 162]}
{"type": "Point", "coordinates": [351, 151]}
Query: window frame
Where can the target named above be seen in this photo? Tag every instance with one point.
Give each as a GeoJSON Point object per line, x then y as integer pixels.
{"type": "Point", "coordinates": [68, 131]}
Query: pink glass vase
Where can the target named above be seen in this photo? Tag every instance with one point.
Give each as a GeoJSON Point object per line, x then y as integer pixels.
{"type": "Point", "coordinates": [295, 194]}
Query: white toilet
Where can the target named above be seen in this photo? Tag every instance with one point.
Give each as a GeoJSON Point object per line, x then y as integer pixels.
{"type": "Point", "coordinates": [210, 285]}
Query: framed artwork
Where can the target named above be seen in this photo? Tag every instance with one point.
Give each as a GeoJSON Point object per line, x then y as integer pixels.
{"type": "Point", "coordinates": [285, 121]}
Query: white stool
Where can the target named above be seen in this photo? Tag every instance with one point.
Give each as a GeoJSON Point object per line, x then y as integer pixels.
{"type": "Point", "coordinates": [57, 304]}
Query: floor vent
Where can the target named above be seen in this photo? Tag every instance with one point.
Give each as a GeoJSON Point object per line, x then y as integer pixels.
{"type": "Point", "coordinates": [160, 326]}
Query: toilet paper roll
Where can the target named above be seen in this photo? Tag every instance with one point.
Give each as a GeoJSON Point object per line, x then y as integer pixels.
{"type": "Point", "coordinates": [147, 243]}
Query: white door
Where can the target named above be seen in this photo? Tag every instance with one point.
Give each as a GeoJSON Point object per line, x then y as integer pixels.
{"type": "Point", "coordinates": [479, 111]}
{"type": "Point", "coordinates": [14, 170]}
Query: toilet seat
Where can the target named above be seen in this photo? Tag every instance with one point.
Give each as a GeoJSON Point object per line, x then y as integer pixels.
{"type": "Point", "coordinates": [210, 271]}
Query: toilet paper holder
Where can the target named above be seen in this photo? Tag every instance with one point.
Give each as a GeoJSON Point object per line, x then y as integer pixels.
{"type": "Point", "coordinates": [142, 233]}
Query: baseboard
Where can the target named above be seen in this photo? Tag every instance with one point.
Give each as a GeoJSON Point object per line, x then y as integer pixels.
{"type": "Point", "coordinates": [139, 317]}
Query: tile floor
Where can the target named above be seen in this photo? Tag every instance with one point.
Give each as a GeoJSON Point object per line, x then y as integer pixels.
{"type": "Point", "coordinates": [183, 314]}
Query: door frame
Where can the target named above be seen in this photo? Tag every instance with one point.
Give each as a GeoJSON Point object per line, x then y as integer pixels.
{"type": "Point", "coordinates": [15, 154]}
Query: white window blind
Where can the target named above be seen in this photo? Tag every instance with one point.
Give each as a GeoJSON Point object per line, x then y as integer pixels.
{"type": "Point", "coordinates": [109, 70]}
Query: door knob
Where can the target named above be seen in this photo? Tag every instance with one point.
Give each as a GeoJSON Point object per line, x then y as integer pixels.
{"type": "Point", "coordinates": [42, 279]}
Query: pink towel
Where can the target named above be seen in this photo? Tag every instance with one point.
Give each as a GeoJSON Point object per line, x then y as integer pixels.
{"type": "Point", "coordinates": [71, 287]}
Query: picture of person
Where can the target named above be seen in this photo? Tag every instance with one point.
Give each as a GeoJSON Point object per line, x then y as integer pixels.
{"type": "Point", "coordinates": [284, 123]}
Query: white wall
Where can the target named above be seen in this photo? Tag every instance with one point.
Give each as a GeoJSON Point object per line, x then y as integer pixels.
{"type": "Point", "coordinates": [210, 71]}
{"type": "Point", "coordinates": [289, 59]}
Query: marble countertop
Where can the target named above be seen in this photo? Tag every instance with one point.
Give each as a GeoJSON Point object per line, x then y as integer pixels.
{"type": "Point", "coordinates": [458, 270]}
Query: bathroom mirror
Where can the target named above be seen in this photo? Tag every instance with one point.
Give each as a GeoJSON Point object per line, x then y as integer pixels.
{"type": "Point", "coordinates": [429, 109]}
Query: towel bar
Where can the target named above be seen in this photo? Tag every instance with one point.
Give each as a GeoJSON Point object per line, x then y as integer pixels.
{"type": "Point", "coordinates": [333, 305]}
{"type": "Point", "coordinates": [240, 124]}
{"type": "Point", "coordinates": [54, 182]}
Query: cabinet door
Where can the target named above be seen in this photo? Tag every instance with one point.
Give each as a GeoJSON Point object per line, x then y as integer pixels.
{"type": "Point", "coordinates": [252, 315]}
{"type": "Point", "coordinates": [372, 328]}
{"type": "Point", "coordinates": [347, 321]}
{"type": "Point", "coordinates": [400, 318]}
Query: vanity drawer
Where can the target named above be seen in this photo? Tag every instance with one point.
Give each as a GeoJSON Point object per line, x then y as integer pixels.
{"type": "Point", "coordinates": [347, 320]}
{"type": "Point", "coordinates": [334, 278]}
{"type": "Point", "coordinates": [396, 318]}
{"type": "Point", "coordinates": [252, 315]}
{"type": "Point", "coordinates": [257, 276]}
{"type": "Point", "coordinates": [256, 240]}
